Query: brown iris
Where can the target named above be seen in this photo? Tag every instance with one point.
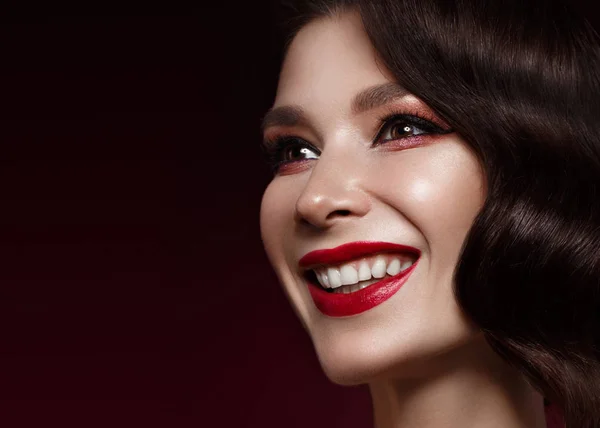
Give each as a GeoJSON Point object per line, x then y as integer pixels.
{"type": "Point", "coordinates": [296, 152]}
{"type": "Point", "coordinates": [401, 130]}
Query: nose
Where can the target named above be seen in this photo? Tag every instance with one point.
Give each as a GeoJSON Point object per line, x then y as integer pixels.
{"type": "Point", "coordinates": [333, 193]}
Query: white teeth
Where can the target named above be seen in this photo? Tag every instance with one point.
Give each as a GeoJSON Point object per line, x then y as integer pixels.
{"type": "Point", "coordinates": [364, 286]}
{"type": "Point", "coordinates": [333, 275]}
{"type": "Point", "coordinates": [348, 275]}
{"type": "Point", "coordinates": [364, 271]}
{"type": "Point", "coordinates": [394, 267]}
{"type": "Point", "coordinates": [378, 269]}
{"type": "Point", "coordinates": [322, 277]}
{"type": "Point", "coordinates": [355, 287]}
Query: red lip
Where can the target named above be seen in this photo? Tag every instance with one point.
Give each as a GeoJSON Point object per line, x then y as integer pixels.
{"type": "Point", "coordinates": [339, 305]}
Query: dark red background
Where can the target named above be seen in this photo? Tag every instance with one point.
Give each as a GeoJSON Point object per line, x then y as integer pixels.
{"type": "Point", "coordinates": [134, 290]}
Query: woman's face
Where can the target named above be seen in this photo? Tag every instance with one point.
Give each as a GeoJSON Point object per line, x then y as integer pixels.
{"type": "Point", "coordinates": [349, 176]}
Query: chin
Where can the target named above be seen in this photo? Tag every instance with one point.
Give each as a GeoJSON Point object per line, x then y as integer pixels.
{"type": "Point", "coordinates": [348, 374]}
{"type": "Point", "coordinates": [349, 359]}
{"type": "Point", "coordinates": [356, 365]}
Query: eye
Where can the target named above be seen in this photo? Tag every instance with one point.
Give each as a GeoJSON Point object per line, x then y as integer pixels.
{"type": "Point", "coordinates": [286, 150]}
{"type": "Point", "coordinates": [398, 127]}
{"type": "Point", "coordinates": [401, 130]}
{"type": "Point", "coordinates": [295, 150]}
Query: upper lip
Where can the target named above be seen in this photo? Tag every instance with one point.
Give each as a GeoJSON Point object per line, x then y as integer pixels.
{"type": "Point", "coordinates": [351, 251]}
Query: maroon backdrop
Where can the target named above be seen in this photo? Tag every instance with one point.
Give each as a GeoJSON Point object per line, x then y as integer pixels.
{"type": "Point", "coordinates": [134, 290]}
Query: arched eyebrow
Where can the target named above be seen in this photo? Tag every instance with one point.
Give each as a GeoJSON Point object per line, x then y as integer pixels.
{"type": "Point", "coordinates": [284, 116]}
{"type": "Point", "coordinates": [377, 96]}
{"type": "Point", "coordinates": [367, 99]}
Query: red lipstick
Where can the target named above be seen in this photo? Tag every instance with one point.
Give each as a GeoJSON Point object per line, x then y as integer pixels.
{"type": "Point", "coordinates": [338, 304]}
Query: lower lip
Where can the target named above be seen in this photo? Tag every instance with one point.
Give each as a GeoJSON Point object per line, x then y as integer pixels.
{"type": "Point", "coordinates": [343, 305]}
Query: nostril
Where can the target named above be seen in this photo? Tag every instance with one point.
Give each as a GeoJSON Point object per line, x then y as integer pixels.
{"type": "Point", "coordinates": [341, 213]}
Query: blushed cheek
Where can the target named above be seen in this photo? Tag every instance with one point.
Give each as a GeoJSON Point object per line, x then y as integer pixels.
{"type": "Point", "coordinates": [456, 197]}
{"type": "Point", "coordinates": [440, 191]}
{"type": "Point", "coordinates": [452, 201]}
{"type": "Point", "coordinates": [423, 191]}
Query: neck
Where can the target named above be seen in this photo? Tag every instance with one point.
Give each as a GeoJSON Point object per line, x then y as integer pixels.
{"type": "Point", "coordinates": [472, 388]}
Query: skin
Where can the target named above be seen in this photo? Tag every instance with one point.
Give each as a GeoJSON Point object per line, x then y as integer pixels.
{"type": "Point", "coordinates": [426, 364]}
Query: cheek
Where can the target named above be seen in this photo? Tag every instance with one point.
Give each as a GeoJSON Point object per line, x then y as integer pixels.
{"type": "Point", "coordinates": [277, 229]}
{"type": "Point", "coordinates": [440, 191]}
{"type": "Point", "coordinates": [276, 212]}
{"type": "Point", "coordinates": [449, 195]}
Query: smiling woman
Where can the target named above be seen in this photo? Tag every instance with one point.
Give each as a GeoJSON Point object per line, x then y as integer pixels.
{"type": "Point", "coordinates": [423, 220]}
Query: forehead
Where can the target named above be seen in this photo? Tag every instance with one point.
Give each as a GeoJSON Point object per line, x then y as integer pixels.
{"type": "Point", "coordinates": [330, 60]}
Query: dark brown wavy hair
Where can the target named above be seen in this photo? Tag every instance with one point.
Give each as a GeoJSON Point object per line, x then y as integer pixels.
{"type": "Point", "coordinates": [519, 80]}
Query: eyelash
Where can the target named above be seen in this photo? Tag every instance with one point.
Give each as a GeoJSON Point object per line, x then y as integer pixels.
{"type": "Point", "coordinates": [273, 149]}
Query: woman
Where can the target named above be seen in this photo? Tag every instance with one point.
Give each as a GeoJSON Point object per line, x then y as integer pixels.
{"type": "Point", "coordinates": [434, 213]}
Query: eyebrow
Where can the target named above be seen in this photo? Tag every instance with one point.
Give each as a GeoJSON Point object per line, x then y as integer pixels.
{"type": "Point", "coordinates": [376, 96]}
{"type": "Point", "coordinates": [284, 116]}
{"type": "Point", "coordinates": [368, 99]}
